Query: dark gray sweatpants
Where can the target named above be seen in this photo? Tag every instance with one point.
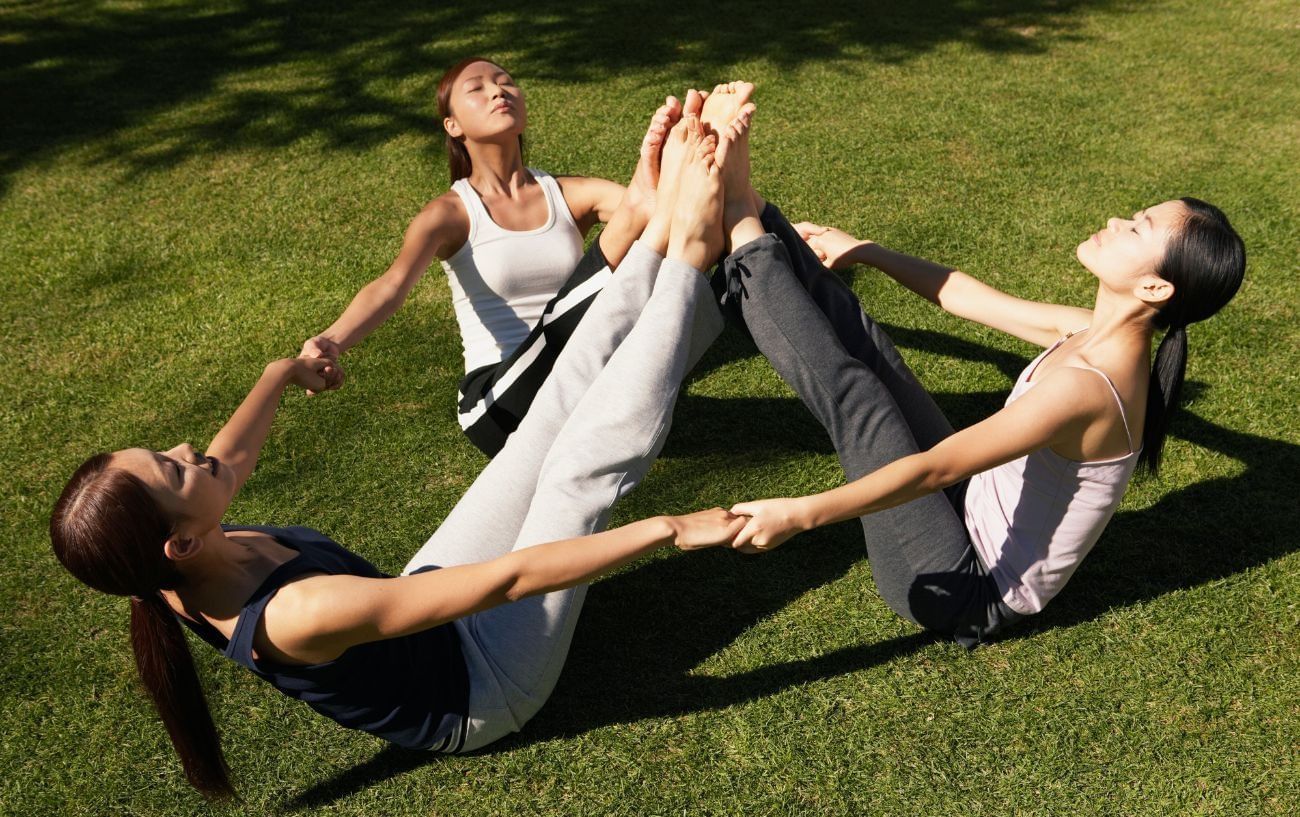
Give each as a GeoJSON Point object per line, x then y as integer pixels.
{"type": "Point", "coordinates": [845, 369]}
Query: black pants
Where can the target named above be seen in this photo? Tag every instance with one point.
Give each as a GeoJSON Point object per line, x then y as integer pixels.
{"type": "Point", "coordinates": [845, 369]}
{"type": "Point", "coordinates": [494, 399]}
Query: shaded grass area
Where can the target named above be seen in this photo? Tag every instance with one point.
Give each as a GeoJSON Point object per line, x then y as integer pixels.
{"type": "Point", "coordinates": [187, 192]}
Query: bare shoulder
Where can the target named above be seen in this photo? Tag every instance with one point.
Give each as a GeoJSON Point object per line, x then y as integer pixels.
{"type": "Point", "coordinates": [443, 222]}
{"type": "Point", "coordinates": [1075, 387]}
{"type": "Point", "coordinates": [295, 618]}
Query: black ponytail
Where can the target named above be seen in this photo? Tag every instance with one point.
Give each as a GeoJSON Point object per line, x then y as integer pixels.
{"type": "Point", "coordinates": [109, 532]}
{"type": "Point", "coordinates": [167, 673]}
{"type": "Point", "coordinates": [1205, 262]}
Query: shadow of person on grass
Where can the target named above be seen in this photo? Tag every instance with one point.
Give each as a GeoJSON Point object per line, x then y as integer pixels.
{"type": "Point", "coordinates": [643, 632]}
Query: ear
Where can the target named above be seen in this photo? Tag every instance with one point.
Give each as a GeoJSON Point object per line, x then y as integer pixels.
{"type": "Point", "coordinates": [452, 128]}
{"type": "Point", "coordinates": [1154, 290]}
{"type": "Point", "coordinates": [179, 548]}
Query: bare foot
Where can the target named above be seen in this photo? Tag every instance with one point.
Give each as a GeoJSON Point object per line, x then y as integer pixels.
{"type": "Point", "coordinates": [642, 189]}
{"type": "Point", "coordinates": [724, 104]}
{"type": "Point", "coordinates": [739, 213]}
{"type": "Point", "coordinates": [678, 145]}
{"type": "Point", "coordinates": [697, 217]}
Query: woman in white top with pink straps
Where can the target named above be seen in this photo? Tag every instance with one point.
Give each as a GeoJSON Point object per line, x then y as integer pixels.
{"type": "Point", "coordinates": [968, 531]}
{"type": "Point", "coordinates": [510, 239]}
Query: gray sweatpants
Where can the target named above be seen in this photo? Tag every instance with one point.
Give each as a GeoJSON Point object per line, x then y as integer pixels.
{"type": "Point", "coordinates": [845, 369]}
{"type": "Point", "coordinates": [593, 431]}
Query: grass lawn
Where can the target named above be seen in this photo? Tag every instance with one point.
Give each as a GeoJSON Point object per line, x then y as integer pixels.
{"type": "Point", "coordinates": [189, 190]}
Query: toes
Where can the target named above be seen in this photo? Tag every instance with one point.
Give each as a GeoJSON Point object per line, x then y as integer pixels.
{"type": "Point", "coordinates": [694, 102]}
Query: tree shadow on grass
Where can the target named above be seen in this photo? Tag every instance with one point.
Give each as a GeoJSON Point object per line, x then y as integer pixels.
{"type": "Point", "coordinates": [643, 632]}
{"type": "Point", "coordinates": [267, 73]}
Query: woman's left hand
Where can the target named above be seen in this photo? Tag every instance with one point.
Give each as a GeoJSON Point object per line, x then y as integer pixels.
{"type": "Point", "coordinates": [704, 529]}
{"type": "Point", "coordinates": [315, 373]}
{"type": "Point", "coordinates": [770, 522]}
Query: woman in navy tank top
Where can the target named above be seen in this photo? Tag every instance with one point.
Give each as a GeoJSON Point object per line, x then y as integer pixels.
{"type": "Point", "coordinates": [467, 644]}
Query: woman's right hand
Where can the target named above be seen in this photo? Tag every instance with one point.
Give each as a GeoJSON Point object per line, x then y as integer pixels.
{"type": "Point", "coordinates": [315, 373]}
{"type": "Point", "coordinates": [833, 247]}
{"type": "Point", "coordinates": [322, 347]}
{"type": "Point", "coordinates": [705, 529]}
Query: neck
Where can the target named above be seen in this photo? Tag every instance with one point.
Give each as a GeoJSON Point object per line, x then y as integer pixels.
{"type": "Point", "coordinates": [498, 167]}
{"type": "Point", "coordinates": [1120, 321]}
{"type": "Point", "coordinates": [224, 572]}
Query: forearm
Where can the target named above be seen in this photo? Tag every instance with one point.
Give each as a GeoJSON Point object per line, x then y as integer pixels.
{"type": "Point", "coordinates": [240, 440]}
{"type": "Point", "coordinates": [374, 303]}
{"type": "Point", "coordinates": [925, 278]}
{"type": "Point", "coordinates": [568, 562]}
{"type": "Point", "coordinates": [897, 483]}
{"type": "Point", "coordinates": [414, 603]}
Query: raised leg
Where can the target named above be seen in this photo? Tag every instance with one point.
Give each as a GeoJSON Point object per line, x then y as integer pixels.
{"type": "Point", "coordinates": [604, 449]}
{"type": "Point", "coordinates": [866, 423]}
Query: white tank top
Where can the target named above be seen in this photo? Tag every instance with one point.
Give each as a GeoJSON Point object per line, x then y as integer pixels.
{"type": "Point", "coordinates": [1032, 520]}
{"type": "Point", "coordinates": [501, 280]}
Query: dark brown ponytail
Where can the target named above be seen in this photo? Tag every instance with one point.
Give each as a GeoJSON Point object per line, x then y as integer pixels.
{"type": "Point", "coordinates": [458, 161]}
{"type": "Point", "coordinates": [1205, 262]}
{"type": "Point", "coordinates": [109, 532]}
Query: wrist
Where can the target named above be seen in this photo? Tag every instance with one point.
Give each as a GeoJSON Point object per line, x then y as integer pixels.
{"type": "Point", "coordinates": [866, 252]}
{"type": "Point", "coordinates": [279, 370]}
{"type": "Point", "coordinates": [666, 530]}
{"type": "Point", "coordinates": [805, 515]}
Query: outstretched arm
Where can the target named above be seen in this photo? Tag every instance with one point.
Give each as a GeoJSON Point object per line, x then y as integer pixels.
{"type": "Point", "coordinates": [240, 440]}
{"type": "Point", "coordinates": [952, 290]}
{"type": "Point", "coordinates": [318, 618]}
{"type": "Point", "coordinates": [1057, 411]}
{"type": "Point", "coordinates": [441, 225]}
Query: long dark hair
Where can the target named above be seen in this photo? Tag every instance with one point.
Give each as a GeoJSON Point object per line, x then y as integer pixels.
{"type": "Point", "coordinates": [1205, 262]}
{"type": "Point", "coordinates": [458, 161]}
{"type": "Point", "coordinates": [109, 532]}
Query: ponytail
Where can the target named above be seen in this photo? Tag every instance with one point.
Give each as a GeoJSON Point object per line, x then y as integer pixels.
{"type": "Point", "coordinates": [1162, 396]}
{"type": "Point", "coordinates": [1205, 262]}
{"type": "Point", "coordinates": [109, 532]}
{"type": "Point", "coordinates": [162, 657]}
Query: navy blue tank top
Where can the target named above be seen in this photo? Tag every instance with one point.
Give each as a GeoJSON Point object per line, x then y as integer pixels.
{"type": "Point", "coordinates": [412, 691]}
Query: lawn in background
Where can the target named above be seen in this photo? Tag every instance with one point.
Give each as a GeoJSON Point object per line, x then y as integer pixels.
{"type": "Point", "coordinates": [189, 190]}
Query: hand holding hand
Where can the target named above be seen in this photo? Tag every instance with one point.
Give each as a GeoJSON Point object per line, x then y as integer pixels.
{"type": "Point", "coordinates": [833, 247]}
{"type": "Point", "coordinates": [322, 347]}
{"type": "Point", "coordinates": [705, 529]}
{"type": "Point", "coordinates": [768, 523]}
{"type": "Point", "coordinates": [315, 373]}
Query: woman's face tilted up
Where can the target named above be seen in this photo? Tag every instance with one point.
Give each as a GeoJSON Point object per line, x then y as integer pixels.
{"type": "Point", "coordinates": [189, 487]}
{"type": "Point", "coordinates": [486, 105]}
{"type": "Point", "coordinates": [1130, 249]}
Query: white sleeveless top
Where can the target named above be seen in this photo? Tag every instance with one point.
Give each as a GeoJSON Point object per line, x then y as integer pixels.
{"type": "Point", "coordinates": [1032, 520]}
{"type": "Point", "coordinates": [501, 280]}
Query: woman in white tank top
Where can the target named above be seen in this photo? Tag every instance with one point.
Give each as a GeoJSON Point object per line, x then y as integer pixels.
{"type": "Point", "coordinates": [1030, 489]}
{"type": "Point", "coordinates": [510, 239]}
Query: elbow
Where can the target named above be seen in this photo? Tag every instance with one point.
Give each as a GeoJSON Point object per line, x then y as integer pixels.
{"type": "Point", "coordinates": [515, 591]}
{"type": "Point", "coordinates": [936, 472]}
{"type": "Point", "coordinates": [514, 582]}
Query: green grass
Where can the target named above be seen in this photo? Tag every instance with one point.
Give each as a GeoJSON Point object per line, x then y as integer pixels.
{"type": "Point", "coordinates": [187, 191]}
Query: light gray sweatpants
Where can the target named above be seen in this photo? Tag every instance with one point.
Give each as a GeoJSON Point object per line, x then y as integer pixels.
{"type": "Point", "coordinates": [595, 427]}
